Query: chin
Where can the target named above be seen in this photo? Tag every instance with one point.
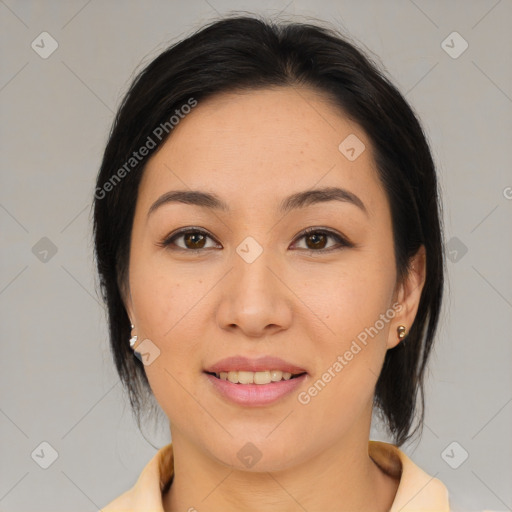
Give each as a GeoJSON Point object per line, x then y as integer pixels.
{"type": "Point", "coordinates": [257, 453]}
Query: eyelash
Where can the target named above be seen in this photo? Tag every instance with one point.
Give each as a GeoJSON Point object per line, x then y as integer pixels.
{"type": "Point", "coordinates": [169, 240]}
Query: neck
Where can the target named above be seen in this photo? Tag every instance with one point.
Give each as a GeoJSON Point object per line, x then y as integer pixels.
{"type": "Point", "coordinates": [341, 478]}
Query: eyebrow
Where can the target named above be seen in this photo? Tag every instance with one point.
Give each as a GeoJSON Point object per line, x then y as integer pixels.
{"type": "Point", "coordinates": [292, 202]}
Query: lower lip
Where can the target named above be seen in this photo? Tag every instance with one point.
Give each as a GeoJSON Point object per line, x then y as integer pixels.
{"type": "Point", "coordinates": [255, 394]}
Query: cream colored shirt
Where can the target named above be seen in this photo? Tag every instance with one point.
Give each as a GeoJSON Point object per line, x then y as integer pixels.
{"type": "Point", "coordinates": [417, 491]}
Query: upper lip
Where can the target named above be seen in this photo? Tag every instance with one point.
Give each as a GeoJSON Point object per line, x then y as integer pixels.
{"type": "Point", "coordinates": [236, 363]}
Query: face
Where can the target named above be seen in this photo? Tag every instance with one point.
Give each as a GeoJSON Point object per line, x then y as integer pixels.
{"type": "Point", "coordinates": [246, 281]}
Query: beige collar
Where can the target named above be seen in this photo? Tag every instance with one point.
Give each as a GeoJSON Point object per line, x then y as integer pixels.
{"type": "Point", "coordinates": [417, 491]}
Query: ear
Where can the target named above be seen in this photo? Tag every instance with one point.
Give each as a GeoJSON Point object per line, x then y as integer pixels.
{"type": "Point", "coordinates": [129, 309]}
{"type": "Point", "coordinates": [408, 295]}
{"type": "Point", "coordinates": [126, 297]}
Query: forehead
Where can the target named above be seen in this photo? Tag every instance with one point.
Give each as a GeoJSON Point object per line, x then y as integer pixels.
{"type": "Point", "coordinates": [264, 145]}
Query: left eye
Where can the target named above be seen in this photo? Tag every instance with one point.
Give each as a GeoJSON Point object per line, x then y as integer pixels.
{"type": "Point", "coordinates": [316, 239]}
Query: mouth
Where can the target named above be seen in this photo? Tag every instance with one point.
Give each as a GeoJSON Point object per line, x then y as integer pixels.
{"type": "Point", "coordinates": [250, 382]}
{"type": "Point", "coordinates": [259, 378]}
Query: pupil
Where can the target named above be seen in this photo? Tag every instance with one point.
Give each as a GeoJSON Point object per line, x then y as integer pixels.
{"type": "Point", "coordinates": [313, 236]}
{"type": "Point", "coordinates": [193, 237]}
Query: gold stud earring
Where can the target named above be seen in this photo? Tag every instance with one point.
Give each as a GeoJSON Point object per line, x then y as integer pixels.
{"type": "Point", "coordinates": [401, 331]}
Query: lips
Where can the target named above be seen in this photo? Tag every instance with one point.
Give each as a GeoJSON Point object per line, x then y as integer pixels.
{"type": "Point", "coordinates": [240, 363]}
{"type": "Point", "coordinates": [245, 382]}
{"type": "Point", "coordinates": [255, 395]}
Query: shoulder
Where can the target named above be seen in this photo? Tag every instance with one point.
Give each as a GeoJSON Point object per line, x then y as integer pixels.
{"type": "Point", "coordinates": [417, 491]}
{"type": "Point", "coordinates": [146, 494]}
{"type": "Point", "coordinates": [123, 503]}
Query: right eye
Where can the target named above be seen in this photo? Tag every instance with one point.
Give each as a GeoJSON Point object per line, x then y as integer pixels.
{"type": "Point", "coordinates": [194, 240]}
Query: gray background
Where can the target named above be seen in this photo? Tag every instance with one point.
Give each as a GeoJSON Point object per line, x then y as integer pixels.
{"type": "Point", "coordinates": [57, 380]}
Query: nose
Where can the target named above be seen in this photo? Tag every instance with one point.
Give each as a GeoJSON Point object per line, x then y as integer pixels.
{"type": "Point", "coordinates": [254, 298]}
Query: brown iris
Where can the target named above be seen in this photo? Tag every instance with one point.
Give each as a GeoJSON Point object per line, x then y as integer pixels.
{"type": "Point", "coordinates": [197, 240]}
{"type": "Point", "coordinates": [319, 240]}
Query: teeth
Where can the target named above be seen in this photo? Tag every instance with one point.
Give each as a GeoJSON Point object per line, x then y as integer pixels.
{"type": "Point", "coordinates": [277, 375]}
{"type": "Point", "coordinates": [243, 377]}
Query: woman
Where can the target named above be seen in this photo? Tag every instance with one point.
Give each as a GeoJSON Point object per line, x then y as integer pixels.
{"type": "Point", "coordinates": [269, 245]}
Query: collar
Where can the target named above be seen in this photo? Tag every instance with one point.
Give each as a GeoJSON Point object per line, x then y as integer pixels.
{"type": "Point", "coordinates": [417, 491]}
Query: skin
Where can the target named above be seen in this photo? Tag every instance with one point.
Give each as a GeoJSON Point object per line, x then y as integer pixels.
{"type": "Point", "coordinates": [252, 149]}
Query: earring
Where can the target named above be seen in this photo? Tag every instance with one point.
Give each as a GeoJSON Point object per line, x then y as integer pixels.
{"type": "Point", "coordinates": [401, 331]}
{"type": "Point", "coordinates": [133, 339]}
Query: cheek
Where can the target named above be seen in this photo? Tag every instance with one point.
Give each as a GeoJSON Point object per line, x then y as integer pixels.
{"type": "Point", "coordinates": [171, 315]}
{"type": "Point", "coordinates": [349, 300]}
{"type": "Point", "coordinates": [350, 348]}
{"type": "Point", "coordinates": [168, 314]}
{"type": "Point", "coordinates": [347, 368]}
{"type": "Point", "coordinates": [163, 296]}
{"type": "Point", "coordinates": [173, 326]}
